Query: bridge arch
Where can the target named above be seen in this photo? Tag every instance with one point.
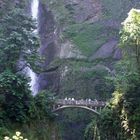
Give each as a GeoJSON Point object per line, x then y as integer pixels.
{"type": "Point", "coordinates": [74, 106]}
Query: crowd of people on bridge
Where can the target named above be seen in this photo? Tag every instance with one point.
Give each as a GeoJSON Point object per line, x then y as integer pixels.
{"type": "Point", "coordinates": [72, 101]}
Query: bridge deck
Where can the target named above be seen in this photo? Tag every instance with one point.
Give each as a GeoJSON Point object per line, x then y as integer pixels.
{"type": "Point", "coordinates": [90, 103]}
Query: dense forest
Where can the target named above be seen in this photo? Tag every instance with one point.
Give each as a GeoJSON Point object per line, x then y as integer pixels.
{"type": "Point", "coordinates": [69, 70]}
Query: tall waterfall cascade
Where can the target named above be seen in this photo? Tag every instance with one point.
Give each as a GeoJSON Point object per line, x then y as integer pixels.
{"type": "Point", "coordinates": [31, 74]}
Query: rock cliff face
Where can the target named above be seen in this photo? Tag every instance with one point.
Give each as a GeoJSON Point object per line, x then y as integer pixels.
{"type": "Point", "coordinates": [49, 46]}
{"type": "Point", "coordinates": [84, 28]}
{"type": "Point", "coordinates": [85, 10]}
{"type": "Point", "coordinates": [79, 30]}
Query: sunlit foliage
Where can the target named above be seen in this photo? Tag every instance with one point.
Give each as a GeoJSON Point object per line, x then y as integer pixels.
{"type": "Point", "coordinates": [130, 38]}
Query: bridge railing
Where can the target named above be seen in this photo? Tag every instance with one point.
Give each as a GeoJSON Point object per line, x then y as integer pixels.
{"type": "Point", "coordinates": [87, 102]}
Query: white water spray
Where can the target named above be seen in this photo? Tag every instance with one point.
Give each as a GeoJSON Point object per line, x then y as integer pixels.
{"type": "Point", "coordinates": [31, 74]}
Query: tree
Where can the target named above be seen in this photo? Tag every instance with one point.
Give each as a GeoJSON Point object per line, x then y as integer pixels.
{"type": "Point", "coordinates": [18, 50]}
{"type": "Point", "coordinates": [127, 80]}
{"type": "Point", "coordinates": [15, 97]}
{"type": "Point", "coordinates": [130, 38]}
{"type": "Point", "coordinates": [122, 112]}
{"type": "Point", "coordinates": [18, 43]}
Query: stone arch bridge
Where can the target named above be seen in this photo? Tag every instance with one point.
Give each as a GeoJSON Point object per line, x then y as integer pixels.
{"type": "Point", "coordinates": [88, 104]}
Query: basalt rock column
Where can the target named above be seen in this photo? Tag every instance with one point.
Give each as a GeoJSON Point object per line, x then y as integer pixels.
{"type": "Point", "coordinates": [49, 48]}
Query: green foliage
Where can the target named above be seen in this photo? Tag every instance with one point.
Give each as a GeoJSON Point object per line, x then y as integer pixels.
{"type": "Point", "coordinates": [81, 79]}
{"type": "Point", "coordinates": [15, 94]}
{"type": "Point", "coordinates": [17, 41]}
{"type": "Point", "coordinates": [19, 110]}
{"type": "Point", "coordinates": [129, 40]}
{"type": "Point", "coordinates": [90, 129]}
{"type": "Point", "coordinates": [123, 111]}
{"type": "Point", "coordinates": [76, 118]}
{"type": "Point", "coordinates": [41, 117]}
{"type": "Point", "coordinates": [122, 114]}
{"type": "Point", "coordinates": [88, 37]}
{"type": "Point", "coordinates": [4, 132]}
{"type": "Point", "coordinates": [6, 6]}
{"type": "Point", "coordinates": [43, 103]}
{"type": "Point", "coordinates": [129, 75]}
{"type": "Point", "coordinates": [63, 15]}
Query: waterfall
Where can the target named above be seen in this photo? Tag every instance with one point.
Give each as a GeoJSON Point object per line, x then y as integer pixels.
{"type": "Point", "coordinates": [31, 74]}
{"type": "Point", "coordinates": [33, 83]}
{"type": "Point", "coordinates": [34, 9]}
